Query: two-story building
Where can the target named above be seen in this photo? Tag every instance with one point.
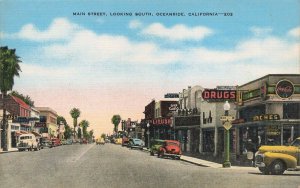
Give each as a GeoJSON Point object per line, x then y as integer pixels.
{"type": "Point", "coordinates": [48, 122]}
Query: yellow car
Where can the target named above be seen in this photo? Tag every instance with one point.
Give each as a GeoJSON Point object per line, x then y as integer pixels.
{"type": "Point", "coordinates": [100, 141]}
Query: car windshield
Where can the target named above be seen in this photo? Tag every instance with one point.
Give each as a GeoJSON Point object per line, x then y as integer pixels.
{"type": "Point", "coordinates": [137, 141]}
{"type": "Point", "coordinates": [25, 137]}
{"type": "Point", "coordinates": [296, 143]}
{"type": "Point", "coordinates": [172, 144]}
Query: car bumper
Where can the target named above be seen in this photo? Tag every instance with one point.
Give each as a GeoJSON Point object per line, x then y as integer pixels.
{"type": "Point", "coordinates": [260, 165]}
{"type": "Point", "coordinates": [172, 155]}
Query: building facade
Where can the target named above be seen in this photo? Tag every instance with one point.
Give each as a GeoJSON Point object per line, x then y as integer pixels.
{"type": "Point", "coordinates": [268, 111]}
{"type": "Point", "coordinates": [48, 122]}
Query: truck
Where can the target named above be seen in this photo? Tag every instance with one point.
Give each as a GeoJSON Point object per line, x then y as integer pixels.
{"type": "Point", "coordinates": [277, 159]}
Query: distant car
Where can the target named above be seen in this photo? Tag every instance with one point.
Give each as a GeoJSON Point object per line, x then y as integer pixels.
{"type": "Point", "coordinates": [55, 142]}
{"type": "Point", "coordinates": [125, 141]}
{"type": "Point", "coordinates": [83, 141]}
{"type": "Point", "coordinates": [136, 143]}
{"type": "Point", "coordinates": [155, 145]}
{"type": "Point", "coordinates": [170, 148]}
{"type": "Point", "coordinates": [100, 141]}
{"type": "Point", "coordinates": [45, 142]}
{"type": "Point", "coordinates": [69, 142]}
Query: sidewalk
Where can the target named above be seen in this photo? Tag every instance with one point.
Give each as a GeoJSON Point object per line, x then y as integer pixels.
{"type": "Point", "coordinates": [205, 163]}
{"type": "Point", "coordinates": [9, 150]}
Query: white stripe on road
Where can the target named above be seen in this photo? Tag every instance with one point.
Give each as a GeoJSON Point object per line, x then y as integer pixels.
{"type": "Point", "coordinates": [82, 153]}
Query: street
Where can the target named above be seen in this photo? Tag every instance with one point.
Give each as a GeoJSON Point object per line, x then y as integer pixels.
{"type": "Point", "coordinates": [111, 165]}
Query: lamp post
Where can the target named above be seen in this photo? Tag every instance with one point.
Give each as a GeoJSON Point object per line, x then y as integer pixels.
{"type": "Point", "coordinates": [134, 126]}
{"type": "Point", "coordinates": [227, 126]}
{"type": "Point", "coordinates": [148, 134]}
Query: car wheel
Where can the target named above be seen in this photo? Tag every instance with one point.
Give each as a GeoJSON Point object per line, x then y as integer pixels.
{"type": "Point", "coordinates": [277, 167]}
{"type": "Point", "coordinates": [151, 153]}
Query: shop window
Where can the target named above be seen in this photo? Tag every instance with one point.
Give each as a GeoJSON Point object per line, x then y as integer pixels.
{"type": "Point", "coordinates": [291, 111]}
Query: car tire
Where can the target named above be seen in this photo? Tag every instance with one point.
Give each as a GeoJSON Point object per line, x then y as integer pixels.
{"type": "Point", "coordinates": [151, 153]}
{"type": "Point", "coordinates": [277, 167]}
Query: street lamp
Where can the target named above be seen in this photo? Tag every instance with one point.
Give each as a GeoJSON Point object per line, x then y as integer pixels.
{"type": "Point", "coordinates": [148, 134]}
{"type": "Point", "coordinates": [227, 163]}
{"type": "Point", "coordinates": [133, 126]}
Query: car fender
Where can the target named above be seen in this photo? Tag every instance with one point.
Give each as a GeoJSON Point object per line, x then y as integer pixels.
{"type": "Point", "coordinates": [289, 160]}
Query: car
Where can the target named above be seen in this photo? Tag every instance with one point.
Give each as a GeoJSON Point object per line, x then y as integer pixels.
{"type": "Point", "coordinates": [155, 145]}
{"type": "Point", "coordinates": [136, 143]}
{"type": "Point", "coordinates": [55, 142]}
{"type": "Point", "coordinates": [63, 142]}
{"type": "Point", "coordinates": [83, 141]}
{"type": "Point", "coordinates": [170, 148]}
{"type": "Point", "coordinates": [100, 141]}
{"type": "Point", "coordinates": [125, 141]}
{"type": "Point", "coordinates": [69, 142]}
{"type": "Point", "coordinates": [45, 142]}
{"type": "Point", "coordinates": [28, 142]}
{"type": "Point", "coordinates": [276, 159]}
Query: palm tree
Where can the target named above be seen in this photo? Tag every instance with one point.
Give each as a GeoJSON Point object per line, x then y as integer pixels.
{"type": "Point", "coordinates": [9, 68]}
{"type": "Point", "coordinates": [84, 124]}
{"type": "Point", "coordinates": [116, 120]}
{"type": "Point", "coordinates": [75, 113]}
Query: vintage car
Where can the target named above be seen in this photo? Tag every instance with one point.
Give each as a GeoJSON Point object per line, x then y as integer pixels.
{"type": "Point", "coordinates": [170, 148]}
{"type": "Point", "coordinates": [28, 142]}
{"type": "Point", "coordinates": [125, 141]}
{"type": "Point", "coordinates": [276, 159]}
{"type": "Point", "coordinates": [45, 142]}
{"type": "Point", "coordinates": [155, 145]}
{"type": "Point", "coordinates": [55, 142]}
{"type": "Point", "coordinates": [136, 143]}
{"type": "Point", "coordinates": [100, 141]}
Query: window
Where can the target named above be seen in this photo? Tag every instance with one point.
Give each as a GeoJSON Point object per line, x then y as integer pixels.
{"type": "Point", "coordinates": [291, 111]}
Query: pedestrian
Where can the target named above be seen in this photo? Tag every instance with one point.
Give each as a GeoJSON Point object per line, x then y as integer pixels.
{"type": "Point", "coordinates": [251, 147]}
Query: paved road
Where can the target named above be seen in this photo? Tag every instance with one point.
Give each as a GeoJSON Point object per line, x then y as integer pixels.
{"type": "Point", "coordinates": [114, 166]}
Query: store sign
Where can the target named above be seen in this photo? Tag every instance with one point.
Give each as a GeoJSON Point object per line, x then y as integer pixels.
{"type": "Point", "coordinates": [273, 131]}
{"type": "Point", "coordinates": [226, 87]}
{"type": "Point", "coordinates": [40, 124]}
{"type": "Point", "coordinates": [218, 95]}
{"type": "Point", "coordinates": [173, 107]}
{"type": "Point", "coordinates": [284, 89]}
{"type": "Point", "coordinates": [172, 95]}
{"type": "Point", "coordinates": [162, 121]}
{"type": "Point", "coordinates": [265, 117]}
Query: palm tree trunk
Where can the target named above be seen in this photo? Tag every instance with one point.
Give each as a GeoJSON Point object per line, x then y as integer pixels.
{"type": "Point", "coordinates": [4, 122]}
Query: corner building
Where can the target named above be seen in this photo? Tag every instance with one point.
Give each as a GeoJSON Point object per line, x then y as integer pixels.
{"type": "Point", "coordinates": [268, 111]}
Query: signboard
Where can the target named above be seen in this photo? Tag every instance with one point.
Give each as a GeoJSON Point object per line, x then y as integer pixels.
{"type": "Point", "coordinates": [162, 121]}
{"type": "Point", "coordinates": [172, 95]}
{"type": "Point", "coordinates": [40, 124]}
{"type": "Point", "coordinates": [219, 95]}
{"type": "Point", "coordinates": [265, 117]}
{"type": "Point", "coordinates": [227, 118]}
{"type": "Point", "coordinates": [226, 87]}
{"type": "Point", "coordinates": [284, 89]}
{"type": "Point", "coordinates": [227, 125]}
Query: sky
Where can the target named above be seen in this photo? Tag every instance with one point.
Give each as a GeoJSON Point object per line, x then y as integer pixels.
{"type": "Point", "coordinates": [110, 57]}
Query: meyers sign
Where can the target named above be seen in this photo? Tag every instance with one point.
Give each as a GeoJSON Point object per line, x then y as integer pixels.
{"type": "Point", "coordinates": [284, 89]}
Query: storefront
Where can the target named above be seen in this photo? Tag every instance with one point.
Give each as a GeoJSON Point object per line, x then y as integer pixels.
{"type": "Point", "coordinates": [269, 112]}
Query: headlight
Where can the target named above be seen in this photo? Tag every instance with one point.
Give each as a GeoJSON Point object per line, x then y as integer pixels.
{"type": "Point", "coordinates": [259, 157]}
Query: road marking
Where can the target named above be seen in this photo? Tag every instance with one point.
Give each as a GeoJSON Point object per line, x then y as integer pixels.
{"type": "Point", "coordinates": [82, 153]}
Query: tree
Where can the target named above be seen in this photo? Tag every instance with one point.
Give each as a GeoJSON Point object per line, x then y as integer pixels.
{"type": "Point", "coordinates": [103, 136]}
{"type": "Point", "coordinates": [26, 98]}
{"type": "Point", "coordinates": [84, 124]}
{"type": "Point", "coordinates": [9, 68]}
{"type": "Point", "coordinates": [79, 132]}
{"type": "Point", "coordinates": [68, 132]}
{"type": "Point", "coordinates": [116, 120]}
{"type": "Point", "coordinates": [75, 113]}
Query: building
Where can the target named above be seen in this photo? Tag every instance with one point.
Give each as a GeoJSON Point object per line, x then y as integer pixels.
{"type": "Point", "coordinates": [48, 122]}
{"type": "Point", "coordinates": [197, 122]}
{"type": "Point", "coordinates": [268, 111]}
{"type": "Point", "coordinates": [159, 114]}
{"type": "Point", "coordinates": [18, 114]}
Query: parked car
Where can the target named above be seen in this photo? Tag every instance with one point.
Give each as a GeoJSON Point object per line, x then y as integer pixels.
{"type": "Point", "coordinates": [125, 141]}
{"type": "Point", "coordinates": [28, 142]}
{"type": "Point", "coordinates": [170, 148]}
{"type": "Point", "coordinates": [276, 159]}
{"type": "Point", "coordinates": [69, 142]}
{"type": "Point", "coordinates": [45, 142]}
{"type": "Point", "coordinates": [155, 145]}
{"type": "Point", "coordinates": [83, 141]}
{"type": "Point", "coordinates": [136, 143]}
{"type": "Point", "coordinates": [100, 141]}
{"type": "Point", "coordinates": [55, 142]}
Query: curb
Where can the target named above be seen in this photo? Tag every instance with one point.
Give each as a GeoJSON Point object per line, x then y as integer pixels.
{"type": "Point", "coordinates": [194, 163]}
